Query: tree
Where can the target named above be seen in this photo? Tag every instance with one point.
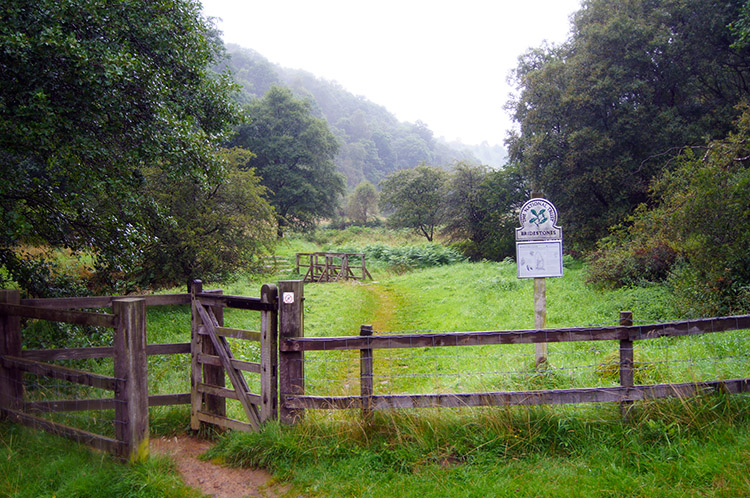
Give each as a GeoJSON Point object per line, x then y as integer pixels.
{"type": "Point", "coordinates": [464, 210]}
{"type": "Point", "coordinates": [482, 210]}
{"type": "Point", "coordinates": [501, 195]}
{"type": "Point", "coordinates": [602, 114]}
{"type": "Point", "coordinates": [416, 198]}
{"type": "Point", "coordinates": [91, 93]}
{"type": "Point", "coordinates": [694, 232]}
{"type": "Point", "coordinates": [206, 231]}
{"type": "Point", "coordinates": [363, 203]}
{"type": "Point", "coordinates": [293, 156]}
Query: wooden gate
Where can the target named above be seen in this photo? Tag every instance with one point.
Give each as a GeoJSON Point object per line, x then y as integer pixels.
{"type": "Point", "coordinates": [213, 360]}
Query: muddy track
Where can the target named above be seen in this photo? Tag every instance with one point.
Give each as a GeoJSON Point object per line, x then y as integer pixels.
{"type": "Point", "coordinates": [212, 479]}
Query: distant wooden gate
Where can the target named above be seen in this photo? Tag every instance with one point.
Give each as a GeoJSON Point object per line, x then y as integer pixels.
{"type": "Point", "coordinates": [332, 266]}
{"type": "Point", "coordinates": [212, 359]}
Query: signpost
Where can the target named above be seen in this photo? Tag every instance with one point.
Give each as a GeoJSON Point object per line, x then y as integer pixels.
{"type": "Point", "coordinates": [539, 256]}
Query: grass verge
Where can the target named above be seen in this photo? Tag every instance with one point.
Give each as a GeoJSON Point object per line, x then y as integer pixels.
{"type": "Point", "coordinates": [35, 464]}
{"type": "Point", "coordinates": [667, 448]}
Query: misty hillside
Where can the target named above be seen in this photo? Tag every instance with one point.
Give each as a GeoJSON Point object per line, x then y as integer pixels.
{"type": "Point", "coordinates": [373, 142]}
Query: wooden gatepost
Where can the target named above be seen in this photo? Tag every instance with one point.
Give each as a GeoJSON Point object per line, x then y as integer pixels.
{"type": "Point", "coordinates": [291, 363]}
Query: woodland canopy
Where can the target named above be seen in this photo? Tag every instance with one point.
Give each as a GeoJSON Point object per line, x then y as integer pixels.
{"type": "Point", "coordinates": [99, 102]}
{"type": "Point", "coordinates": [121, 140]}
{"type": "Point", "coordinates": [605, 113]}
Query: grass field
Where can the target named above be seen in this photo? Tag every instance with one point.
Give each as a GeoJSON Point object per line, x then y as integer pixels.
{"type": "Point", "coordinates": [695, 447]}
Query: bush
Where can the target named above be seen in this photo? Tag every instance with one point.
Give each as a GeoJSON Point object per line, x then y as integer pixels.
{"type": "Point", "coordinates": [695, 235]}
{"type": "Point", "coordinates": [409, 257]}
{"type": "Point", "coordinates": [633, 256]}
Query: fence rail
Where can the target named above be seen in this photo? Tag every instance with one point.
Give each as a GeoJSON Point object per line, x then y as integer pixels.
{"type": "Point", "coordinates": [626, 392]}
{"type": "Point", "coordinates": [62, 303]}
{"type": "Point", "coordinates": [614, 394]}
{"type": "Point", "coordinates": [443, 339]}
{"type": "Point", "coordinates": [59, 315]}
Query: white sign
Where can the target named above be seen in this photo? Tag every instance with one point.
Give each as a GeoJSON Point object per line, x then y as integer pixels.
{"type": "Point", "coordinates": [288, 297]}
{"type": "Point", "coordinates": [539, 259]}
{"type": "Point", "coordinates": [538, 221]}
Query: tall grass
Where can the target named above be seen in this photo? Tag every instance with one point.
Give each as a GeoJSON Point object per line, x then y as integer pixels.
{"type": "Point", "coordinates": [667, 448]}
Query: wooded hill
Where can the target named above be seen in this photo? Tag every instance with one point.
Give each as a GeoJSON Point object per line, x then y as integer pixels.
{"type": "Point", "coordinates": [373, 143]}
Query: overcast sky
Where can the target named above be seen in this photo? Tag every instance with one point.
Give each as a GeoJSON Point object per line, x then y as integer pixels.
{"type": "Point", "coordinates": [444, 62]}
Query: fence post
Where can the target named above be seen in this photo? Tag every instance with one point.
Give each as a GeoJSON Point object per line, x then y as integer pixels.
{"type": "Point", "coordinates": [130, 365]}
{"type": "Point", "coordinates": [626, 359]}
{"type": "Point", "coordinates": [365, 375]}
{"type": "Point", "coordinates": [11, 379]}
{"type": "Point", "coordinates": [269, 408]}
{"type": "Point", "coordinates": [292, 363]}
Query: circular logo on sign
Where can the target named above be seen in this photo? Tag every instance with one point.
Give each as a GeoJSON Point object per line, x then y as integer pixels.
{"type": "Point", "coordinates": [538, 221]}
{"type": "Point", "coordinates": [540, 213]}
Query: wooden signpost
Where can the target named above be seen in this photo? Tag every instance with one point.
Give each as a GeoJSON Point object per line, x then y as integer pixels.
{"type": "Point", "coordinates": [539, 256]}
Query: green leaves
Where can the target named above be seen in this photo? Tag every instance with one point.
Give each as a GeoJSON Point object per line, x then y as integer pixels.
{"type": "Point", "coordinates": [695, 233]}
{"type": "Point", "coordinates": [416, 198]}
{"type": "Point", "coordinates": [293, 156]}
{"type": "Point", "coordinates": [205, 231]}
{"type": "Point", "coordinates": [92, 93]}
{"type": "Point", "coordinates": [604, 113]}
{"type": "Point", "coordinates": [363, 203]}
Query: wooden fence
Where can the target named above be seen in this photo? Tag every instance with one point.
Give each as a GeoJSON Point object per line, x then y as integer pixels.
{"type": "Point", "coordinates": [211, 358]}
{"type": "Point", "coordinates": [128, 381]}
{"type": "Point", "coordinates": [281, 367]}
{"type": "Point", "coordinates": [294, 401]}
{"type": "Point", "coordinates": [332, 266]}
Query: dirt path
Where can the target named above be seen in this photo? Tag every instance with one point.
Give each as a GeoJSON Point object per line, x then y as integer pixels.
{"type": "Point", "coordinates": [387, 309]}
{"type": "Point", "coordinates": [211, 479]}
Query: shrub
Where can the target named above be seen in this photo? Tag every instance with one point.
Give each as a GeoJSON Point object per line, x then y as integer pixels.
{"type": "Point", "coordinates": [695, 235]}
{"type": "Point", "coordinates": [408, 257]}
{"type": "Point", "coordinates": [638, 254]}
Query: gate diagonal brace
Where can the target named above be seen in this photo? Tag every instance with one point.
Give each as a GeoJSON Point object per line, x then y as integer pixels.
{"type": "Point", "coordinates": [225, 354]}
